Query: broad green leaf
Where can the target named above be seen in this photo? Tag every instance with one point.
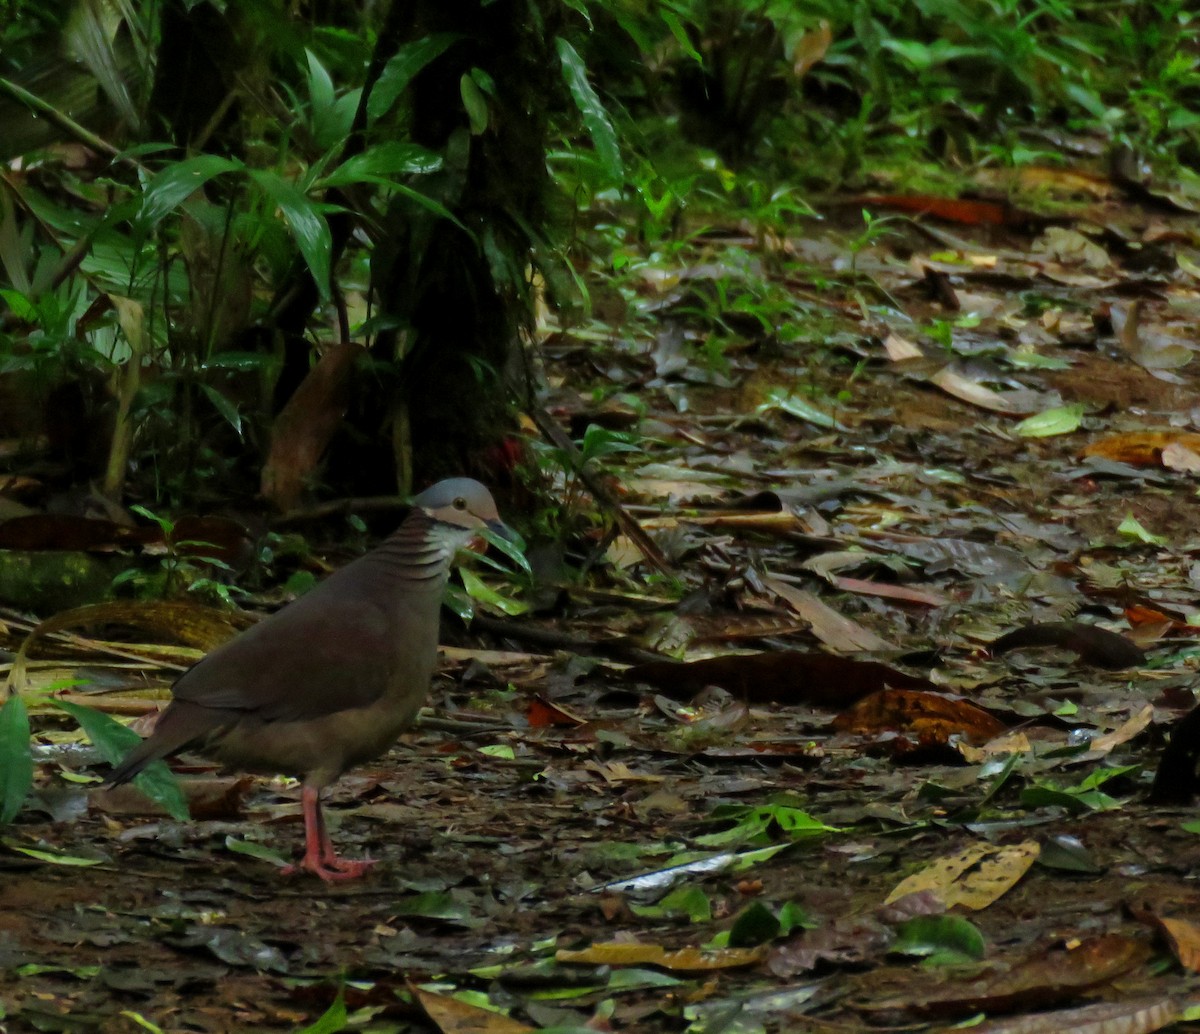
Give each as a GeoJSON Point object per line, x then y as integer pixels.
{"type": "Point", "coordinates": [1061, 420]}
{"type": "Point", "coordinates": [381, 163]}
{"type": "Point", "coordinates": [459, 602]}
{"type": "Point", "coordinates": [485, 594]}
{"type": "Point", "coordinates": [320, 85]}
{"type": "Point", "coordinates": [36, 969]}
{"type": "Point", "coordinates": [513, 548]}
{"type": "Point", "coordinates": [52, 857]}
{"type": "Point", "coordinates": [634, 978]}
{"type": "Point", "coordinates": [332, 1020]}
{"type": "Point", "coordinates": [432, 905]}
{"type": "Point", "coordinates": [16, 759]}
{"type": "Point", "coordinates": [22, 308]}
{"type": "Point", "coordinates": [672, 22]}
{"type": "Point", "coordinates": [332, 116]}
{"type": "Point", "coordinates": [1132, 528]}
{"type": "Point", "coordinates": [498, 750]}
{"type": "Point", "coordinates": [598, 442]}
{"type": "Point", "coordinates": [114, 741]}
{"type": "Point", "coordinates": [595, 118]}
{"type": "Point", "coordinates": [399, 71]}
{"type": "Point", "coordinates": [253, 849]}
{"type": "Point", "coordinates": [436, 207]}
{"type": "Point", "coordinates": [224, 406]}
{"type": "Point", "coordinates": [945, 940]}
{"type": "Point", "coordinates": [799, 408]}
{"type": "Point", "coordinates": [233, 360]}
{"type": "Point", "coordinates": [86, 38]}
{"type": "Point", "coordinates": [168, 189]}
{"type": "Point", "coordinates": [792, 916]}
{"type": "Point", "coordinates": [686, 900]}
{"type": "Point", "coordinates": [754, 823]}
{"type": "Point", "coordinates": [475, 104]}
{"type": "Point", "coordinates": [755, 924]}
{"type": "Point", "coordinates": [307, 223]}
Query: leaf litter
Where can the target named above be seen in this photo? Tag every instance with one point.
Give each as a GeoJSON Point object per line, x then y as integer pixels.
{"type": "Point", "coordinates": [868, 741]}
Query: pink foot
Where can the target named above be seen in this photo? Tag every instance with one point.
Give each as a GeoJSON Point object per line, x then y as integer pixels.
{"type": "Point", "coordinates": [331, 869]}
{"type": "Point", "coordinates": [320, 857]}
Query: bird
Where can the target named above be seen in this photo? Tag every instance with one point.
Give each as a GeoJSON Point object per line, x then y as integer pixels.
{"type": "Point", "coordinates": [332, 679]}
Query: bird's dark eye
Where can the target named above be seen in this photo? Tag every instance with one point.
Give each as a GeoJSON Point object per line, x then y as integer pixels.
{"type": "Point", "coordinates": [460, 503]}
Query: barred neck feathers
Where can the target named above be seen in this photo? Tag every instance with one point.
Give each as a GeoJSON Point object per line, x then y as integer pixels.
{"type": "Point", "coordinates": [421, 548]}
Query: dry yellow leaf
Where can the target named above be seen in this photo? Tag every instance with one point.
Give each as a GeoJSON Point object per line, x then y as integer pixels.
{"type": "Point", "coordinates": [974, 877]}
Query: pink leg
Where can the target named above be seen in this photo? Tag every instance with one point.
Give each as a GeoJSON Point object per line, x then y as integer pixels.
{"type": "Point", "coordinates": [320, 856]}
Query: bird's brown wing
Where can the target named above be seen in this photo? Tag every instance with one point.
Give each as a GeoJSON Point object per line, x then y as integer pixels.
{"type": "Point", "coordinates": [301, 663]}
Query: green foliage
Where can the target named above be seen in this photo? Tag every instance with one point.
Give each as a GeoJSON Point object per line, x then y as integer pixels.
{"type": "Point", "coordinates": [941, 940]}
{"type": "Point", "coordinates": [114, 741]}
{"type": "Point", "coordinates": [760, 824]}
{"type": "Point", "coordinates": [180, 569]}
{"type": "Point", "coordinates": [1083, 797]}
{"type": "Point", "coordinates": [16, 759]}
{"type": "Point", "coordinates": [332, 1019]}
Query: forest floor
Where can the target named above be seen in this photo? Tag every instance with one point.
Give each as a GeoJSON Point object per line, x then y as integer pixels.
{"type": "Point", "coordinates": [568, 842]}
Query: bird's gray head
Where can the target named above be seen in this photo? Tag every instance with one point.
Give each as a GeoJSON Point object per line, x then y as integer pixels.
{"type": "Point", "coordinates": [463, 503]}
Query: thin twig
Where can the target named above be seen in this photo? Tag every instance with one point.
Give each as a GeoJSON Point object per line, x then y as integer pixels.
{"type": "Point", "coordinates": [600, 491]}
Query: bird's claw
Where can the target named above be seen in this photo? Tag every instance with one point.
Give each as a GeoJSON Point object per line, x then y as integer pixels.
{"type": "Point", "coordinates": [332, 869]}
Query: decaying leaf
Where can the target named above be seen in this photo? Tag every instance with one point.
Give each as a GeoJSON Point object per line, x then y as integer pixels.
{"type": "Point", "coordinates": [974, 877]}
{"type": "Point", "coordinates": [684, 960]}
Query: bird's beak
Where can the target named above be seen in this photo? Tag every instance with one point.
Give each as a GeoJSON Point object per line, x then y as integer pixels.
{"type": "Point", "coordinates": [498, 527]}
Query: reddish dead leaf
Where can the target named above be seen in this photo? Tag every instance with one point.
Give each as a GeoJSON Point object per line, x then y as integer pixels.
{"type": "Point", "coordinates": [455, 1017]}
{"type": "Point", "coordinates": [212, 798]}
{"type": "Point", "coordinates": [1184, 938]}
{"type": "Point", "coordinates": [847, 940]}
{"type": "Point", "coordinates": [1140, 614]}
{"type": "Point", "coordinates": [1041, 980]}
{"type": "Point", "coordinates": [1096, 646]}
{"type": "Point", "coordinates": [972, 391]}
{"type": "Point", "coordinates": [786, 676]}
{"type": "Point", "coordinates": [541, 713]}
{"type": "Point", "coordinates": [62, 531]}
{"type": "Point", "coordinates": [305, 425]}
{"type": "Point", "coordinates": [932, 717]}
{"type": "Point", "coordinates": [1102, 745]}
{"type": "Point", "coordinates": [835, 630]}
{"type": "Point", "coordinates": [1131, 1017]}
{"type": "Point", "coordinates": [905, 593]}
{"type": "Point", "coordinates": [683, 960]}
{"type": "Point", "coordinates": [1141, 448]}
{"type": "Point", "coordinates": [952, 210]}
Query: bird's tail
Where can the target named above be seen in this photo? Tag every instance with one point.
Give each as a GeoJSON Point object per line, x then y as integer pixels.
{"type": "Point", "coordinates": [135, 761]}
{"type": "Point", "coordinates": [175, 729]}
